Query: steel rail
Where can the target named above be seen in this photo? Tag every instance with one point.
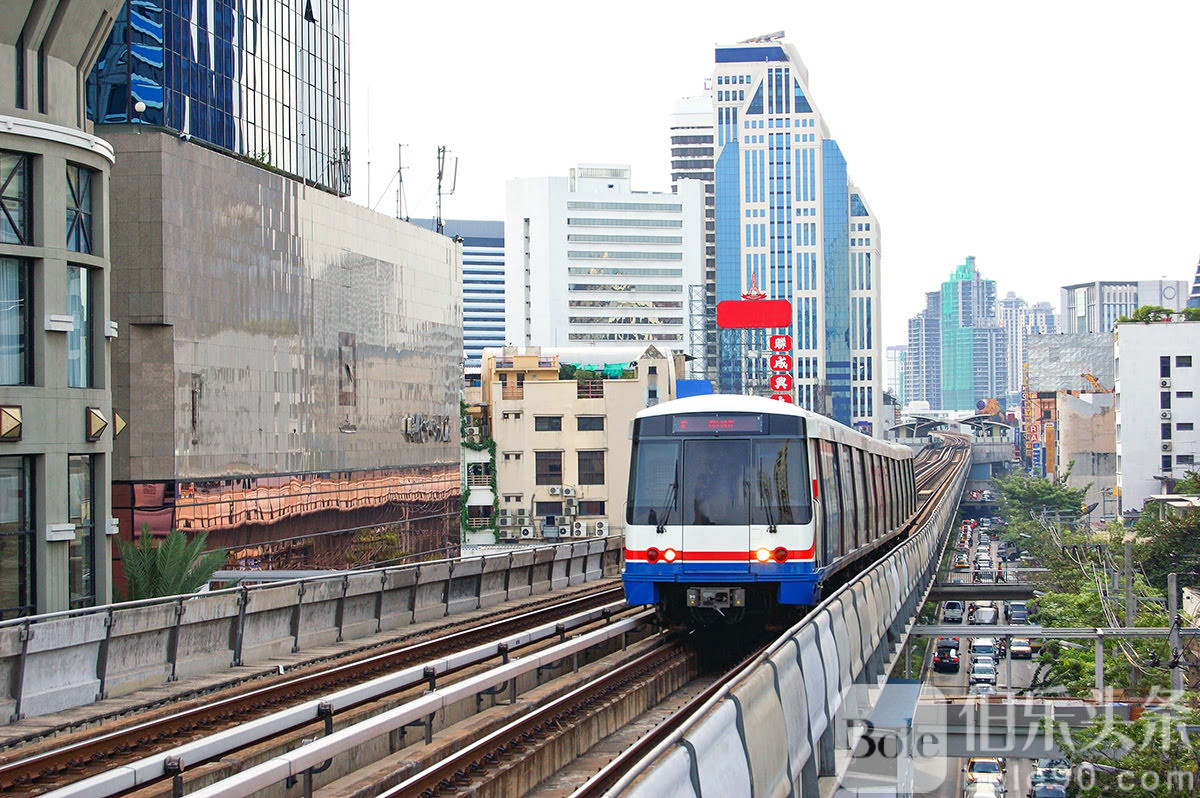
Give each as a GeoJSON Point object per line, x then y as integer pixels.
{"type": "Point", "coordinates": [27, 770]}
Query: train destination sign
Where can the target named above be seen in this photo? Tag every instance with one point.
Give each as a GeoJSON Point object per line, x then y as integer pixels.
{"type": "Point", "coordinates": [715, 422]}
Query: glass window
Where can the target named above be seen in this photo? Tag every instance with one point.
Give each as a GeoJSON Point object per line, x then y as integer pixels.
{"type": "Point", "coordinates": [16, 537]}
{"type": "Point", "coordinates": [1183, 394]}
{"type": "Point", "coordinates": [548, 468]}
{"type": "Point", "coordinates": [591, 468]}
{"type": "Point", "coordinates": [589, 423]}
{"type": "Point", "coordinates": [547, 508]}
{"type": "Point", "coordinates": [1166, 462]}
{"type": "Point", "coordinates": [1183, 361]}
{"type": "Point", "coordinates": [80, 490]}
{"type": "Point", "coordinates": [715, 484]}
{"type": "Point", "coordinates": [16, 351]}
{"type": "Point", "coordinates": [591, 507]}
{"type": "Point", "coordinates": [779, 486]}
{"type": "Point", "coordinates": [547, 423]}
{"type": "Point", "coordinates": [1164, 366]}
{"type": "Point", "coordinates": [15, 202]}
{"type": "Point", "coordinates": [653, 485]}
{"type": "Point", "coordinates": [79, 208]}
{"type": "Point", "coordinates": [1164, 400]}
{"type": "Point", "coordinates": [79, 340]}
{"type": "Point", "coordinates": [1166, 431]}
{"type": "Point", "coordinates": [1184, 426]}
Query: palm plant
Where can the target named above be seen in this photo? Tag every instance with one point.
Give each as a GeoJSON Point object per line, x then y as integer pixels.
{"type": "Point", "coordinates": [174, 566]}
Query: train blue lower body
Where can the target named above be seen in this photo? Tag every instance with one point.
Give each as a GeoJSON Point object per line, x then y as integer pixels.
{"type": "Point", "coordinates": [721, 592]}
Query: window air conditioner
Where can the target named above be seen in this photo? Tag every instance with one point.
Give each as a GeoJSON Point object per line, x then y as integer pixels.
{"type": "Point", "coordinates": [554, 491]}
{"type": "Point", "coordinates": [568, 491]}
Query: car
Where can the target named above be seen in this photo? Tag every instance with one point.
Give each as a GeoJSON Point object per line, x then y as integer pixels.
{"type": "Point", "coordinates": [984, 616]}
{"type": "Point", "coordinates": [983, 789]}
{"type": "Point", "coordinates": [1047, 791]}
{"type": "Point", "coordinates": [984, 769]}
{"type": "Point", "coordinates": [983, 673]}
{"type": "Point", "coordinates": [952, 612]}
{"type": "Point", "coordinates": [961, 562]}
{"type": "Point", "coordinates": [1020, 648]}
{"type": "Point", "coordinates": [983, 688]}
{"type": "Point", "coordinates": [1054, 777]}
{"type": "Point", "coordinates": [1016, 612]}
{"type": "Point", "coordinates": [1035, 645]}
{"type": "Point", "coordinates": [945, 657]}
{"type": "Point", "coordinates": [984, 537]}
{"type": "Point", "coordinates": [985, 575]}
{"type": "Point", "coordinates": [982, 659]}
{"type": "Point", "coordinates": [1054, 763]}
{"type": "Point", "coordinates": [983, 646]}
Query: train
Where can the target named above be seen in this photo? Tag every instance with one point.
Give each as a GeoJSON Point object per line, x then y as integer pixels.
{"type": "Point", "coordinates": [742, 507]}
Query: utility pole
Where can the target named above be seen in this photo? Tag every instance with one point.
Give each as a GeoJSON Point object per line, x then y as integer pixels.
{"type": "Point", "coordinates": [441, 171]}
{"type": "Point", "coordinates": [399, 179]}
{"type": "Point", "coordinates": [1175, 640]}
{"type": "Point", "coordinates": [1130, 604]}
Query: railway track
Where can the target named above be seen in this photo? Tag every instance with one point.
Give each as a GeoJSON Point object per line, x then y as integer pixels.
{"type": "Point", "coordinates": [81, 754]}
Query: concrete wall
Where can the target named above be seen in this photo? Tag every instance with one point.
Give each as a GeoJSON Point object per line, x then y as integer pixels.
{"type": "Point", "coordinates": [1056, 361]}
{"type": "Point", "coordinates": [53, 663]}
{"type": "Point", "coordinates": [1087, 436]}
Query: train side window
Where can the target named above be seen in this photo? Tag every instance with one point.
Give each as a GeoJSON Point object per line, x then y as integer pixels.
{"type": "Point", "coordinates": [880, 499]}
{"type": "Point", "coordinates": [864, 496]}
{"type": "Point", "coordinates": [829, 492]}
{"type": "Point", "coordinates": [849, 521]}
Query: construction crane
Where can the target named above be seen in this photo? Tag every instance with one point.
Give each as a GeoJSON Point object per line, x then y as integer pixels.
{"type": "Point", "coordinates": [1091, 378]}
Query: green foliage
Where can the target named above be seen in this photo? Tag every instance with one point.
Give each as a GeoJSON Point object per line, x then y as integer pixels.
{"type": "Point", "coordinates": [1149, 313]}
{"type": "Point", "coordinates": [1190, 484]}
{"type": "Point", "coordinates": [487, 444]}
{"type": "Point", "coordinates": [1153, 756]}
{"type": "Point", "coordinates": [172, 567]}
{"type": "Point", "coordinates": [1023, 495]}
{"type": "Point", "coordinates": [1191, 314]}
{"type": "Point", "coordinates": [566, 371]}
{"type": "Point", "coordinates": [1172, 544]}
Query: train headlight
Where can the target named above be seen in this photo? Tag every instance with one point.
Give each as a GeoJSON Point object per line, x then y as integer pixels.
{"type": "Point", "coordinates": [781, 554]}
{"type": "Point", "coordinates": [762, 555]}
{"type": "Point", "coordinates": [651, 555]}
{"type": "Point", "coordinates": [670, 555]}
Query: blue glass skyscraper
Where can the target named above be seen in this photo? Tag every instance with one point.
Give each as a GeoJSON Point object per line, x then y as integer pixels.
{"type": "Point", "coordinates": [789, 217]}
{"type": "Point", "coordinates": [265, 79]}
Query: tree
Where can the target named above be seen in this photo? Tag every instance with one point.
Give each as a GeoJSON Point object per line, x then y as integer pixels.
{"type": "Point", "coordinates": [1172, 544]}
{"type": "Point", "coordinates": [1191, 314]}
{"type": "Point", "coordinates": [1149, 313]}
{"type": "Point", "coordinates": [1024, 495]}
{"type": "Point", "coordinates": [1190, 484]}
{"type": "Point", "coordinates": [172, 567]}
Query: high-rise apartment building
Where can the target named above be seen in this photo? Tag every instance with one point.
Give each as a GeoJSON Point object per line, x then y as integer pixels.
{"type": "Point", "coordinates": [923, 360]}
{"type": "Point", "coordinates": [790, 221]}
{"type": "Point", "coordinates": [1095, 307]}
{"type": "Point", "coordinates": [267, 80]}
{"type": "Point", "coordinates": [974, 346]}
{"type": "Point", "coordinates": [1020, 320]}
{"type": "Point", "coordinates": [482, 283]}
{"type": "Point", "coordinates": [896, 358]}
{"type": "Point", "coordinates": [590, 261]}
{"type": "Point", "coordinates": [692, 158]}
{"type": "Point", "coordinates": [1194, 298]}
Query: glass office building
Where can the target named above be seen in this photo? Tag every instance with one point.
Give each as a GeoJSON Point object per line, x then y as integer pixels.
{"type": "Point", "coordinates": [790, 220]}
{"type": "Point", "coordinates": [265, 79]}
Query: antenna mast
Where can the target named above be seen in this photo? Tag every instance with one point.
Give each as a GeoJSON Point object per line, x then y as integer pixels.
{"type": "Point", "coordinates": [441, 170]}
{"type": "Point", "coordinates": [399, 180]}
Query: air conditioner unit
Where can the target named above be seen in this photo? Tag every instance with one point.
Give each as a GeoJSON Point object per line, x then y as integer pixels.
{"type": "Point", "coordinates": [526, 532]}
{"type": "Point", "coordinates": [503, 512]}
{"type": "Point", "coordinates": [569, 511]}
{"type": "Point", "coordinates": [601, 527]}
{"type": "Point", "coordinates": [505, 521]}
{"type": "Point", "coordinates": [579, 529]}
{"type": "Point", "coordinates": [1165, 382]}
{"type": "Point", "coordinates": [521, 511]}
{"type": "Point", "coordinates": [506, 534]}
{"type": "Point", "coordinates": [555, 490]}
{"type": "Point", "coordinates": [571, 504]}
{"type": "Point", "coordinates": [568, 491]}
{"type": "Point", "coordinates": [1164, 414]}
{"type": "Point", "coordinates": [1166, 446]}
{"type": "Point", "coordinates": [472, 431]}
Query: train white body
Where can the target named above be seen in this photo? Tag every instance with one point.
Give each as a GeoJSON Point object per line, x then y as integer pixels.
{"type": "Point", "coordinates": [740, 504]}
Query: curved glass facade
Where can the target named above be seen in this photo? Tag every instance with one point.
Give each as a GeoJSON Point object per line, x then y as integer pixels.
{"type": "Point", "coordinates": [266, 79]}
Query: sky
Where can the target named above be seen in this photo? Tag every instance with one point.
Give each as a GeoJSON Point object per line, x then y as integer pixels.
{"type": "Point", "coordinates": [1056, 141]}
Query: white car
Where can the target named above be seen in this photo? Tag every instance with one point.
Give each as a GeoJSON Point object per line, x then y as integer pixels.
{"type": "Point", "coordinates": [983, 789]}
{"type": "Point", "coordinates": [983, 674]}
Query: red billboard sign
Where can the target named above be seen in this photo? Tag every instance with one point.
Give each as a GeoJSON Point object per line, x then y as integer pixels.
{"type": "Point", "coordinates": [753, 314]}
{"type": "Point", "coordinates": [781, 343]}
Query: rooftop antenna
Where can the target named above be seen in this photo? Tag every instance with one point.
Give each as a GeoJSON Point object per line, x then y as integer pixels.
{"type": "Point", "coordinates": [441, 170]}
{"type": "Point", "coordinates": [400, 180]}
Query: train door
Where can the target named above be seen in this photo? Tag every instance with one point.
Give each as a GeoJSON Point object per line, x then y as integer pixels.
{"type": "Point", "coordinates": [716, 501]}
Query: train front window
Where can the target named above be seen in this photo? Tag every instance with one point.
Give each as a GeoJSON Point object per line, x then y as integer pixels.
{"type": "Point", "coordinates": [653, 485]}
{"type": "Point", "coordinates": [780, 493]}
{"type": "Point", "coordinates": [716, 483]}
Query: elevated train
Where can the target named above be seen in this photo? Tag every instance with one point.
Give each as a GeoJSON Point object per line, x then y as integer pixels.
{"type": "Point", "coordinates": [741, 506]}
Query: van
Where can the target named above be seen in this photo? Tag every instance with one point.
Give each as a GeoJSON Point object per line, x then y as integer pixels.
{"type": "Point", "coordinates": [983, 646]}
{"type": "Point", "coordinates": [953, 612]}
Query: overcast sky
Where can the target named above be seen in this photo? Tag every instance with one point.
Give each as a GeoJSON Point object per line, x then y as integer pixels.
{"type": "Point", "coordinates": [1056, 141]}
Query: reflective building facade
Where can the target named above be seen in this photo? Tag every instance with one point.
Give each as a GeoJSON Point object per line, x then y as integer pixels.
{"type": "Point", "coordinates": [265, 79]}
{"type": "Point", "coordinates": [290, 368]}
{"type": "Point", "coordinates": [790, 219]}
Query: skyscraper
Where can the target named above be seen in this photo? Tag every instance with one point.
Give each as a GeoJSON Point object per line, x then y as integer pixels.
{"type": "Point", "coordinates": [692, 159]}
{"type": "Point", "coordinates": [789, 219]}
{"type": "Point", "coordinates": [1013, 312]}
{"type": "Point", "coordinates": [266, 80]}
{"type": "Point", "coordinates": [590, 261]}
{"type": "Point", "coordinates": [1095, 307]}
{"type": "Point", "coordinates": [974, 346]}
{"type": "Point", "coordinates": [923, 360]}
{"type": "Point", "coordinates": [1194, 298]}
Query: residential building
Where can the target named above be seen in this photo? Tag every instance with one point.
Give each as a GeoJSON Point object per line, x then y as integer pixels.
{"type": "Point", "coordinates": [1158, 379]}
{"type": "Point", "coordinates": [1095, 307]}
{"type": "Point", "coordinates": [791, 222]}
{"type": "Point", "coordinates": [268, 80]}
{"type": "Point", "coordinates": [692, 155]}
{"type": "Point", "coordinates": [1085, 446]}
{"type": "Point", "coordinates": [482, 283]}
{"type": "Point", "coordinates": [559, 418]}
{"type": "Point", "coordinates": [923, 359]}
{"type": "Point", "coordinates": [592, 262]}
{"type": "Point", "coordinates": [290, 369]}
{"type": "Point", "coordinates": [974, 357]}
{"type": "Point", "coordinates": [56, 419]}
{"type": "Point", "coordinates": [1013, 314]}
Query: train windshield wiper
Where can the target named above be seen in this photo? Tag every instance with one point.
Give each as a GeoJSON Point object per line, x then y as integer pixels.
{"type": "Point", "coordinates": [665, 514]}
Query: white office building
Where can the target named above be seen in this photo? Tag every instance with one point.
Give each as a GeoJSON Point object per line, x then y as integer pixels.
{"type": "Point", "coordinates": [1158, 381]}
{"type": "Point", "coordinates": [590, 261]}
{"type": "Point", "coordinates": [1095, 307]}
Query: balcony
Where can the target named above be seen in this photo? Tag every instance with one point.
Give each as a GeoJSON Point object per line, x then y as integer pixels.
{"type": "Point", "coordinates": [479, 480]}
{"type": "Point", "coordinates": [512, 392]}
{"type": "Point", "coordinates": [477, 523]}
{"type": "Point", "coordinates": [589, 389]}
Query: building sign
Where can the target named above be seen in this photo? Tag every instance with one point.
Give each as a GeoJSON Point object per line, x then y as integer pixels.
{"type": "Point", "coordinates": [783, 397]}
{"type": "Point", "coordinates": [1027, 411]}
{"type": "Point", "coordinates": [420, 428]}
{"type": "Point", "coordinates": [781, 383]}
{"type": "Point", "coordinates": [753, 314]}
{"type": "Point", "coordinates": [1036, 470]}
{"type": "Point", "coordinates": [781, 362]}
{"type": "Point", "coordinates": [781, 343]}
